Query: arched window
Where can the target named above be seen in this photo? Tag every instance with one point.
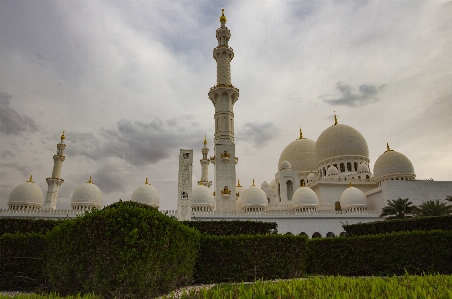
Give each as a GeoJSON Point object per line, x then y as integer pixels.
{"type": "Point", "coordinates": [289, 189]}
{"type": "Point", "coordinates": [349, 166]}
{"type": "Point", "coordinates": [356, 166]}
{"type": "Point", "coordinates": [342, 167]}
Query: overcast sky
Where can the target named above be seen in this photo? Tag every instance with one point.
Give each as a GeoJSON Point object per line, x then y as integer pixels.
{"type": "Point", "coordinates": [128, 81]}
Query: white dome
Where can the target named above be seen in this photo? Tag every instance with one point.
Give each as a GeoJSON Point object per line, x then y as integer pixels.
{"type": "Point", "coordinates": [87, 195]}
{"type": "Point", "coordinates": [305, 197]}
{"type": "Point", "coordinates": [254, 197]}
{"type": "Point", "coordinates": [272, 184]}
{"type": "Point", "coordinates": [284, 165]}
{"type": "Point", "coordinates": [201, 196]}
{"type": "Point", "coordinates": [300, 154]}
{"type": "Point", "coordinates": [353, 198]}
{"type": "Point", "coordinates": [27, 194]}
{"type": "Point", "coordinates": [312, 176]}
{"type": "Point", "coordinates": [340, 140]}
{"type": "Point", "coordinates": [332, 170]}
{"type": "Point", "coordinates": [362, 167]}
{"type": "Point", "coordinates": [392, 164]}
{"type": "Point", "coordinates": [146, 194]}
{"type": "Point", "coordinates": [265, 185]}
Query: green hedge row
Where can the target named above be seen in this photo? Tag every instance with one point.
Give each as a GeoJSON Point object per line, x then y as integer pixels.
{"type": "Point", "coordinates": [386, 254]}
{"type": "Point", "coordinates": [22, 261]}
{"type": "Point", "coordinates": [233, 228]}
{"type": "Point", "coordinates": [250, 257]}
{"type": "Point", "coordinates": [23, 226]}
{"type": "Point", "coordinates": [399, 225]}
{"type": "Point", "coordinates": [125, 250]}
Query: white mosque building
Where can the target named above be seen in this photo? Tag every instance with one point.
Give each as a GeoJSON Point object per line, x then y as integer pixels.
{"type": "Point", "coordinates": [318, 185]}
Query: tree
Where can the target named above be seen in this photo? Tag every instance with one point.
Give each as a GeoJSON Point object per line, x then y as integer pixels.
{"type": "Point", "coordinates": [398, 208]}
{"type": "Point", "coordinates": [433, 208]}
{"type": "Point", "coordinates": [449, 198]}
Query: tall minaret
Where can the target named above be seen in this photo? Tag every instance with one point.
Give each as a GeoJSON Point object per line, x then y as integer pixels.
{"type": "Point", "coordinates": [55, 181]}
{"type": "Point", "coordinates": [205, 166]}
{"type": "Point", "coordinates": [223, 96]}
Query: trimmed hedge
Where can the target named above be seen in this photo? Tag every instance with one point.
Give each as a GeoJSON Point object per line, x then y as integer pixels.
{"type": "Point", "coordinates": [399, 225]}
{"type": "Point", "coordinates": [21, 261]}
{"type": "Point", "coordinates": [387, 254]}
{"type": "Point", "coordinates": [23, 226]}
{"type": "Point", "coordinates": [126, 250]}
{"type": "Point", "coordinates": [233, 228]}
{"type": "Point", "coordinates": [250, 257]}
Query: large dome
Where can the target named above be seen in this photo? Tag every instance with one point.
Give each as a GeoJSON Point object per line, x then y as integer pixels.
{"type": "Point", "coordinates": [353, 198]}
{"type": "Point", "coordinates": [300, 155]}
{"type": "Point", "coordinates": [146, 194]}
{"type": "Point", "coordinates": [393, 165]}
{"type": "Point", "coordinates": [254, 197]}
{"type": "Point", "coordinates": [201, 196]}
{"type": "Point", "coordinates": [87, 195]}
{"type": "Point", "coordinates": [305, 197]}
{"type": "Point", "coordinates": [340, 140]}
{"type": "Point", "coordinates": [27, 195]}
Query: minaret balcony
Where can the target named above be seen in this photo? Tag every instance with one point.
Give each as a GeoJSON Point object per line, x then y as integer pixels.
{"type": "Point", "coordinates": [212, 160]}
{"type": "Point", "coordinates": [226, 156]}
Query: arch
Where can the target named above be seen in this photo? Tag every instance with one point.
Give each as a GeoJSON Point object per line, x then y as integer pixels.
{"type": "Point", "coordinates": [289, 185]}
{"type": "Point", "coordinates": [367, 177]}
{"type": "Point", "coordinates": [349, 166]}
{"type": "Point", "coordinates": [356, 166]}
{"type": "Point", "coordinates": [279, 192]}
{"type": "Point", "coordinates": [342, 167]}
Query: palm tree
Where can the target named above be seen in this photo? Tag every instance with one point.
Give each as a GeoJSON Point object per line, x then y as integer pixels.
{"type": "Point", "coordinates": [449, 198]}
{"type": "Point", "coordinates": [433, 208]}
{"type": "Point", "coordinates": [398, 208]}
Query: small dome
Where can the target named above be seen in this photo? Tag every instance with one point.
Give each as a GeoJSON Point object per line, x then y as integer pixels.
{"type": "Point", "coordinates": [265, 185]}
{"type": "Point", "coordinates": [392, 164]}
{"type": "Point", "coordinates": [254, 197]}
{"type": "Point", "coordinates": [300, 154]}
{"type": "Point", "coordinates": [27, 195]}
{"type": "Point", "coordinates": [285, 165]}
{"type": "Point", "coordinates": [362, 167]}
{"type": "Point", "coordinates": [87, 195]}
{"type": "Point", "coordinates": [272, 184]}
{"type": "Point", "coordinates": [332, 170]}
{"type": "Point", "coordinates": [312, 176]}
{"type": "Point", "coordinates": [340, 140]}
{"type": "Point", "coordinates": [305, 197]}
{"type": "Point", "coordinates": [353, 198]}
{"type": "Point", "coordinates": [201, 196]}
{"type": "Point", "coordinates": [146, 194]}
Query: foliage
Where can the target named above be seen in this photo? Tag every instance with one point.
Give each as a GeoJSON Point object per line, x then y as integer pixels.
{"type": "Point", "coordinates": [433, 208]}
{"type": "Point", "coordinates": [235, 227]}
{"type": "Point", "coordinates": [398, 225]}
{"type": "Point", "coordinates": [398, 208]}
{"type": "Point", "coordinates": [18, 225]}
{"type": "Point", "coordinates": [426, 286]}
{"type": "Point", "coordinates": [21, 261]}
{"type": "Point", "coordinates": [449, 198]}
{"type": "Point", "coordinates": [50, 296]}
{"type": "Point", "coordinates": [385, 254]}
{"type": "Point", "coordinates": [126, 250]}
{"type": "Point", "coordinates": [250, 257]}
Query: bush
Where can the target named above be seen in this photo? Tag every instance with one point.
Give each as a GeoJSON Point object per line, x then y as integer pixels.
{"type": "Point", "coordinates": [398, 225]}
{"type": "Point", "coordinates": [21, 261]}
{"type": "Point", "coordinates": [250, 257]}
{"type": "Point", "coordinates": [386, 254]}
{"type": "Point", "coordinates": [126, 250]}
{"type": "Point", "coordinates": [234, 228]}
{"type": "Point", "coordinates": [23, 226]}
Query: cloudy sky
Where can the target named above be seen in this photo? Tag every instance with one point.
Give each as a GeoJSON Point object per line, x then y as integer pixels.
{"type": "Point", "coordinates": [128, 81]}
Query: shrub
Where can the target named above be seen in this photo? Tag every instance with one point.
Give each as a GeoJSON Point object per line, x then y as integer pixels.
{"type": "Point", "coordinates": [21, 261]}
{"type": "Point", "coordinates": [386, 254]}
{"type": "Point", "coordinates": [23, 226]}
{"type": "Point", "coordinates": [398, 225]}
{"type": "Point", "coordinates": [250, 257]}
{"type": "Point", "coordinates": [234, 228]}
{"type": "Point", "coordinates": [126, 250]}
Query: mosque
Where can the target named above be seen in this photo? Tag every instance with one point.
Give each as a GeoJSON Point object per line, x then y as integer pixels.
{"type": "Point", "coordinates": [318, 185]}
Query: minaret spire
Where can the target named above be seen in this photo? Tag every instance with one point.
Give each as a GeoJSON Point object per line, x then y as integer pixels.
{"type": "Point", "coordinates": [223, 96]}
{"type": "Point", "coordinates": [205, 166]}
{"type": "Point", "coordinates": [55, 181]}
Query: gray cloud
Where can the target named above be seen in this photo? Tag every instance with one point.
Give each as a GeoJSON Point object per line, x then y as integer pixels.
{"type": "Point", "coordinates": [137, 143]}
{"type": "Point", "coordinates": [367, 94]}
{"type": "Point", "coordinates": [25, 170]}
{"type": "Point", "coordinates": [6, 154]}
{"type": "Point", "coordinates": [259, 134]}
{"type": "Point", "coordinates": [10, 120]}
{"type": "Point", "coordinates": [109, 178]}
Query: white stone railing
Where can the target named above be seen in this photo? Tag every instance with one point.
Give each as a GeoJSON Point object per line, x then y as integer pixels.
{"type": "Point", "coordinates": [290, 212]}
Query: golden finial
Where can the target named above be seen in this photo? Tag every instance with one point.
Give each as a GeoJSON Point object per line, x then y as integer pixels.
{"type": "Point", "coordinates": [199, 183]}
{"type": "Point", "coordinates": [301, 134]}
{"type": "Point", "coordinates": [253, 183]}
{"type": "Point", "coordinates": [223, 17]}
{"type": "Point", "coordinates": [63, 137]}
{"type": "Point", "coordinates": [350, 184]}
{"type": "Point", "coordinates": [238, 183]}
{"type": "Point", "coordinates": [90, 180]}
{"type": "Point", "coordinates": [205, 140]}
{"type": "Point", "coordinates": [335, 118]}
{"type": "Point", "coordinates": [388, 149]}
{"type": "Point", "coordinates": [31, 178]}
{"type": "Point", "coordinates": [147, 182]}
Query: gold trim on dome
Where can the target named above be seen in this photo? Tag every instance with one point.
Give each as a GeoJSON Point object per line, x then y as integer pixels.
{"type": "Point", "coordinates": [31, 179]}
{"type": "Point", "coordinates": [200, 183]}
{"type": "Point", "coordinates": [350, 185]}
{"type": "Point", "coordinates": [301, 134]}
{"type": "Point", "coordinates": [147, 182]}
{"type": "Point", "coordinates": [335, 118]}
{"type": "Point", "coordinates": [238, 183]}
{"type": "Point", "coordinates": [253, 183]}
{"type": "Point", "coordinates": [223, 18]}
{"type": "Point", "coordinates": [62, 136]}
{"type": "Point", "coordinates": [90, 180]}
{"type": "Point", "coordinates": [388, 149]}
